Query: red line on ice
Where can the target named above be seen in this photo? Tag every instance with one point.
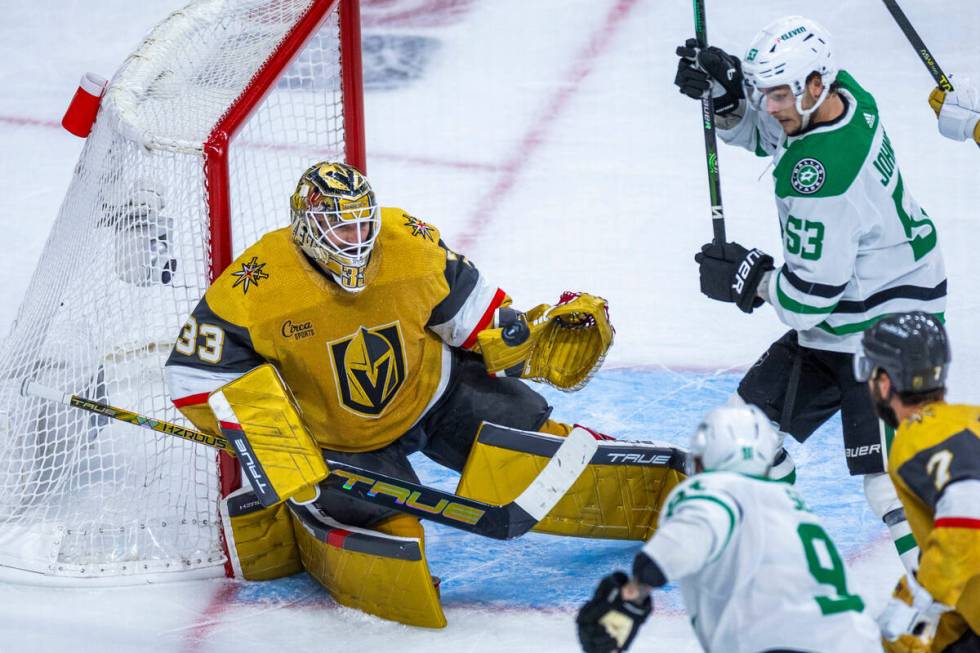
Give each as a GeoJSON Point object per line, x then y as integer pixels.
{"type": "Point", "coordinates": [34, 122]}
{"type": "Point", "coordinates": [424, 13]}
{"type": "Point", "coordinates": [223, 598]}
{"type": "Point", "coordinates": [535, 136]}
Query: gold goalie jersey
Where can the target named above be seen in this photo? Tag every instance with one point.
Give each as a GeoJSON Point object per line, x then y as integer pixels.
{"type": "Point", "coordinates": [362, 367]}
{"type": "Point", "coordinates": [934, 463]}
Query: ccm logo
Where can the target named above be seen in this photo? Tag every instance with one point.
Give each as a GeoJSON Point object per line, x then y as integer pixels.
{"type": "Point", "coordinates": [742, 273]}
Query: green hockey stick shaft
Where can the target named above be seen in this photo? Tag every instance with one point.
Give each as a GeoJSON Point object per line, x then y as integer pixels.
{"type": "Point", "coordinates": [710, 138]}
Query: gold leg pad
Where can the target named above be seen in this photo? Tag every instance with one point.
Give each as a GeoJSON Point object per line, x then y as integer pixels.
{"type": "Point", "coordinates": [381, 574]}
{"type": "Point", "coordinates": [618, 496]}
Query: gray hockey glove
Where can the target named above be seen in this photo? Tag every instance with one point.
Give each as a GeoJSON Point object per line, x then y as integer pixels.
{"type": "Point", "coordinates": [608, 622]}
{"type": "Point", "coordinates": [698, 70]}
{"type": "Point", "coordinates": [731, 273]}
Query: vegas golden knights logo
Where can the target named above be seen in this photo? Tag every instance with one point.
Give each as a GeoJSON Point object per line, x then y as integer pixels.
{"type": "Point", "coordinates": [369, 367]}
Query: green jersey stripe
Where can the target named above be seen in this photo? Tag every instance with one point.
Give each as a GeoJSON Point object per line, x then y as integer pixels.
{"type": "Point", "coordinates": [728, 510]}
{"type": "Point", "coordinates": [858, 327]}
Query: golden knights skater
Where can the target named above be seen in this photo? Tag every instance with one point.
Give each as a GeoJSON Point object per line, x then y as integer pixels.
{"type": "Point", "coordinates": [934, 462]}
{"type": "Point", "coordinates": [358, 332]}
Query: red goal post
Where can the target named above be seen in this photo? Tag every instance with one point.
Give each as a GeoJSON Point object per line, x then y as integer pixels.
{"type": "Point", "coordinates": [216, 148]}
{"type": "Point", "coordinates": [200, 138]}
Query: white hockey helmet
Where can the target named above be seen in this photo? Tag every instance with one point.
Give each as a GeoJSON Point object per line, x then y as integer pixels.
{"type": "Point", "coordinates": [735, 439]}
{"type": "Point", "coordinates": [788, 51]}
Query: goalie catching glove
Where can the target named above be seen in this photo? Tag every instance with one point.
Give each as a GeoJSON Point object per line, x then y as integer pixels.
{"type": "Point", "coordinates": [562, 345]}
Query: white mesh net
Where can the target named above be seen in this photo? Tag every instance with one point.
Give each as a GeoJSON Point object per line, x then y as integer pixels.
{"type": "Point", "coordinates": [127, 260]}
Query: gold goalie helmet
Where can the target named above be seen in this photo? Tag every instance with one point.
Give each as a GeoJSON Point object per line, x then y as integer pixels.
{"type": "Point", "coordinates": [336, 220]}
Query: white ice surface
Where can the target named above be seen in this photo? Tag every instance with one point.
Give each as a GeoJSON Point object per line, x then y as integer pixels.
{"type": "Point", "coordinates": [547, 141]}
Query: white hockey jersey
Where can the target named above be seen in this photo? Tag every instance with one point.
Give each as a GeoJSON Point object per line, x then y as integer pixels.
{"type": "Point", "coordinates": [856, 244]}
{"type": "Point", "coordinates": [756, 569]}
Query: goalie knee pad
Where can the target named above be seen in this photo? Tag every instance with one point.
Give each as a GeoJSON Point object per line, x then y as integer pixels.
{"type": "Point", "coordinates": [402, 526]}
{"type": "Point", "coordinates": [553, 427]}
{"type": "Point", "coordinates": [260, 539]}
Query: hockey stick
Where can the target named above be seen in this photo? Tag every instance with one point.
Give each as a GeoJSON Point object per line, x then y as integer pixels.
{"type": "Point", "coordinates": [501, 522]}
{"type": "Point", "coordinates": [710, 138]}
{"type": "Point", "coordinates": [920, 47]}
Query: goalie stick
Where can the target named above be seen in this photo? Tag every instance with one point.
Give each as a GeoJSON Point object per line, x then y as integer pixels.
{"type": "Point", "coordinates": [920, 47]}
{"type": "Point", "coordinates": [501, 522]}
{"type": "Point", "coordinates": [710, 138]}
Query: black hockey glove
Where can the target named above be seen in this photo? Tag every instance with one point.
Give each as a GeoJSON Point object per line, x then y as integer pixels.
{"type": "Point", "coordinates": [698, 70]}
{"type": "Point", "coordinates": [608, 623]}
{"type": "Point", "coordinates": [731, 273]}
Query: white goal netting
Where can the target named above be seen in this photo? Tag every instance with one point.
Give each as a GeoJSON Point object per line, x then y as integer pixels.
{"type": "Point", "coordinates": [127, 260]}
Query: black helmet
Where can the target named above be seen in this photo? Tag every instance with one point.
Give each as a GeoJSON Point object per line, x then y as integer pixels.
{"type": "Point", "coordinates": [911, 347]}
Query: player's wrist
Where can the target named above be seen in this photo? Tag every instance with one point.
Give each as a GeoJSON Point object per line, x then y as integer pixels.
{"type": "Point", "coordinates": [762, 292]}
{"type": "Point", "coordinates": [959, 115]}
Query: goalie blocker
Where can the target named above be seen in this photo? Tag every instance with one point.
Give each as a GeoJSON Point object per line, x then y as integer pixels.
{"type": "Point", "coordinates": [258, 416]}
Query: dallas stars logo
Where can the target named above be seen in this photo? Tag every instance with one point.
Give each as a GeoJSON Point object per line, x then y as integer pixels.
{"type": "Point", "coordinates": [418, 227]}
{"type": "Point", "coordinates": [250, 274]}
{"type": "Point", "coordinates": [808, 176]}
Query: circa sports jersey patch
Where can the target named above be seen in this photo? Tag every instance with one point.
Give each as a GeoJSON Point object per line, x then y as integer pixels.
{"type": "Point", "coordinates": [297, 329]}
{"type": "Point", "coordinates": [419, 228]}
{"type": "Point", "coordinates": [369, 368]}
{"type": "Point", "coordinates": [250, 274]}
{"type": "Point", "coordinates": [808, 176]}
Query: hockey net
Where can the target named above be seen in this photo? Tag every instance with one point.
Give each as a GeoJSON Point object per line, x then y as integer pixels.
{"type": "Point", "coordinates": [199, 141]}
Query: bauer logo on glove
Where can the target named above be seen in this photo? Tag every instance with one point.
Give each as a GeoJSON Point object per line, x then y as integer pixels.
{"type": "Point", "coordinates": [562, 345]}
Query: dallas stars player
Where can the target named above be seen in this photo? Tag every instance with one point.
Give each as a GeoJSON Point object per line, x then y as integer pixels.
{"type": "Point", "coordinates": [856, 245]}
{"type": "Point", "coordinates": [757, 570]}
{"type": "Point", "coordinates": [935, 464]}
{"type": "Point", "coordinates": [381, 338]}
